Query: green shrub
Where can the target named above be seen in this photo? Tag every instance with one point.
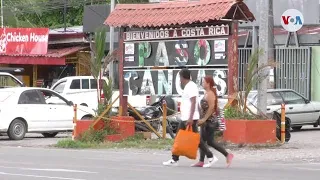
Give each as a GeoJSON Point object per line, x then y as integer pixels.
{"type": "Point", "coordinates": [234, 113]}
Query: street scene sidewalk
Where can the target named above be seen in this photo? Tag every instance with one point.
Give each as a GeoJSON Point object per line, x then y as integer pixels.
{"type": "Point", "coordinates": [288, 162]}
{"type": "Point", "coordinates": [303, 147]}
{"type": "Point", "coordinates": [120, 89]}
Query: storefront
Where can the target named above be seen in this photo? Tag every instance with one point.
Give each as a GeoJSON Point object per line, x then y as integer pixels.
{"type": "Point", "coordinates": [27, 48]}
{"type": "Point", "coordinates": [202, 36]}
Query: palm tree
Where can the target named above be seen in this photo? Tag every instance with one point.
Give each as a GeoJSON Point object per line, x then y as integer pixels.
{"type": "Point", "coordinates": [251, 78]}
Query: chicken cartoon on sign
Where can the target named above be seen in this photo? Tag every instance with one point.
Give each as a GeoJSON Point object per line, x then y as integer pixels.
{"type": "Point", "coordinates": [3, 43]}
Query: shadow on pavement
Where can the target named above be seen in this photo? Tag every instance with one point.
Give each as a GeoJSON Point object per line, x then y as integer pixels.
{"type": "Point", "coordinates": [307, 129]}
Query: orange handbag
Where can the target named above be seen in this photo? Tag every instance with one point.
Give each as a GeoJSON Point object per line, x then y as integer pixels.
{"type": "Point", "coordinates": [186, 143]}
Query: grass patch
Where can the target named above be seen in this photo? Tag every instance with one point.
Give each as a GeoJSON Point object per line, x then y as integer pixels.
{"type": "Point", "coordinates": [137, 142]}
{"type": "Point", "coordinates": [70, 144]}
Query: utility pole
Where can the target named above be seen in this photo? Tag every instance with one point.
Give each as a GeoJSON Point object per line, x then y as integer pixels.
{"type": "Point", "coordinates": [1, 3]}
{"type": "Point", "coordinates": [111, 43]}
{"type": "Point", "coordinates": [266, 43]}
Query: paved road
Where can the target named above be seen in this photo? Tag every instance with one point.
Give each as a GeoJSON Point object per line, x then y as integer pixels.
{"type": "Point", "coordinates": [36, 163]}
{"type": "Point", "coordinates": [33, 140]}
{"type": "Point", "coordinates": [31, 159]}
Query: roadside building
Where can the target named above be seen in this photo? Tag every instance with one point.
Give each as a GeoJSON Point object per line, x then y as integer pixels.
{"type": "Point", "coordinates": [54, 56]}
{"type": "Point", "coordinates": [297, 53]}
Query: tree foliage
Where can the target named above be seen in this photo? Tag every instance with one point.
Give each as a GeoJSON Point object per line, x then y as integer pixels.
{"type": "Point", "coordinates": [49, 13]}
{"type": "Point", "coordinates": [240, 109]}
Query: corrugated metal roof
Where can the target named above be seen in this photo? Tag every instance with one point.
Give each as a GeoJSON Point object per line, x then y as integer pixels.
{"type": "Point", "coordinates": [177, 13]}
{"type": "Point", "coordinates": [70, 30]}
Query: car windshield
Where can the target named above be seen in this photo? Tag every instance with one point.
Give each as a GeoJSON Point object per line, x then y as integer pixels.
{"type": "Point", "coordinates": [4, 95]}
{"type": "Point", "coordinates": [252, 97]}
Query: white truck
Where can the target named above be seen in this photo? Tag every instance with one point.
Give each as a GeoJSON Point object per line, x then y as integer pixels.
{"type": "Point", "coordinates": [82, 90]}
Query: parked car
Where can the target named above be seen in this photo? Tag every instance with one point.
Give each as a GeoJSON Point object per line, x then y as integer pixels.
{"type": "Point", "coordinates": [37, 110]}
{"type": "Point", "coordinates": [8, 80]}
{"type": "Point", "coordinates": [299, 109]}
{"type": "Point", "coordinates": [83, 90]}
{"type": "Point", "coordinates": [174, 101]}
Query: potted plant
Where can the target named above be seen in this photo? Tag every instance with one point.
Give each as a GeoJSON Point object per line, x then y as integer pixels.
{"type": "Point", "coordinates": [113, 128]}
{"type": "Point", "coordinates": [244, 126]}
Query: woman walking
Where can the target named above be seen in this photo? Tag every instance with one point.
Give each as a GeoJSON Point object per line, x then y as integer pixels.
{"type": "Point", "coordinates": [209, 121]}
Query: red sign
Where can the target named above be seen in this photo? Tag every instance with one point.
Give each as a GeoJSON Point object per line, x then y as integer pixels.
{"type": "Point", "coordinates": [183, 33]}
{"type": "Point", "coordinates": [24, 41]}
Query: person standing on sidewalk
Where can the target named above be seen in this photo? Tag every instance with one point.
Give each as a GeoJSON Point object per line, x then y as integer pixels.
{"type": "Point", "coordinates": [209, 122]}
{"type": "Point", "coordinates": [189, 114]}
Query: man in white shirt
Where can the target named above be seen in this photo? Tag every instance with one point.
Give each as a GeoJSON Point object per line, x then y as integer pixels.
{"type": "Point", "coordinates": [189, 113]}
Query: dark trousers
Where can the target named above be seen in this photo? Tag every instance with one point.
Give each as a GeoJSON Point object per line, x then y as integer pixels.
{"type": "Point", "coordinates": [207, 136]}
{"type": "Point", "coordinates": [203, 147]}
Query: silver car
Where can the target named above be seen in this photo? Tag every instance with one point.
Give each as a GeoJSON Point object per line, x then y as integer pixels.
{"type": "Point", "coordinates": [300, 110]}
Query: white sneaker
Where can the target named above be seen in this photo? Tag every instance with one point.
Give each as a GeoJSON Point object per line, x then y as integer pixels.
{"type": "Point", "coordinates": [211, 161]}
{"type": "Point", "coordinates": [171, 162]}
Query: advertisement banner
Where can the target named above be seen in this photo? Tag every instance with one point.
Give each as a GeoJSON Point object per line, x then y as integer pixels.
{"type": "Point", "coordinates": [24, 41]}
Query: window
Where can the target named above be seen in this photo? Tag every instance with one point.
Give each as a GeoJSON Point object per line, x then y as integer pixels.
{"type": "Point", "coordinates": [60, 87]}
{"type": "Point", "coordinates": [30, 97]}
{"type": "Point", "coordinates": [85, 83]}
{"type": "Point", "coordinates": [8, 81]}
{"type": "Point", "coordinates": [292, 98]}
{"type": "Point", "coordinates": [75, 84]}
{"type": "Point", "coordinates": [274, 98]}
{"type": "Point", "coordinates": [93, 83]}
{"type": "Point", "coordinates": [252, 99]}
{"type": "Point", "coordinates": [52, 98]}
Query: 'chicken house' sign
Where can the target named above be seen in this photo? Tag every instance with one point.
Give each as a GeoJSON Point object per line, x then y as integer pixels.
{"type": "Point", "coordinates": [24, 41]}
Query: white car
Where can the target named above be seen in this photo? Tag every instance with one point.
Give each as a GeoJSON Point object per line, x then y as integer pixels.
{"type": "Point", "coordinates": [83, 90]}
{"type": "Point", "coordinates": [299, 110]}
{"type": "Point", "coordinates": [36, 110]}
{"type": "Point", "coordinates": [222, 101]}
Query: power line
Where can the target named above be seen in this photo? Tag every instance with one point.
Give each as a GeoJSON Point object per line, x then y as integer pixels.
{"type": "Point", "coordinates": [47, 6]}
{"type": "Point", "coordinates": [38, 16]}
{"type": "Point", "coordinates": [14, 13]}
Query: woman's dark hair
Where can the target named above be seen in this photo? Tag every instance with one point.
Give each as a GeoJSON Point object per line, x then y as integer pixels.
{"type": "Point", "coordinates": [210, 81]}
{"type": "Point", "coordinates": [185, 73]}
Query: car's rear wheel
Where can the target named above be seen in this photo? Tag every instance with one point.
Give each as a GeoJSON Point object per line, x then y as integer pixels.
{"type": "Point", "coordinates": [317, 123]}
{"type": "Point", "coordinates": [296, 128]}
{"type": "Point", "coordinates": [17, 129]}
{"type": "Point", "coordinates": [49, 135]}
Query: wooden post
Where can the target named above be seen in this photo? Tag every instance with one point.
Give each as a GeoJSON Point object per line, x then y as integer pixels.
{"type": "Point", "coordinates": [34, 75]}
{"type": "Point", "coordinates": [105, 112]}
{"type": "Point", "coordinates": [164, 120]}
{"type": "Point", "coordinates": [146, 122]}
{"type": "Point", "coordinates": [233, 60]}
{"type": "Point", "coordinates": [123, 99]}
{"type": "Point", "coordinates": [74, 121]}
{"type": "Point", "coordinates": [283, 123]}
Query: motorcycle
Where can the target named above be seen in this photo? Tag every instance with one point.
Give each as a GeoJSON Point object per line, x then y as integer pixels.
{"type": "Point", "coordinates": [154, 111]}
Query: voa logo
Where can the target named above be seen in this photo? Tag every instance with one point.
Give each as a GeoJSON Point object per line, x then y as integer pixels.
{"type": "Point", "coordinates": [292, 20]}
